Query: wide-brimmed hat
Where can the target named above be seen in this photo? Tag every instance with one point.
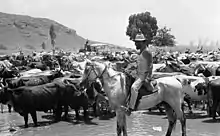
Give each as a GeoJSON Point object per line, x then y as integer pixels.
{"type": "Point", "coordinates": [139, 37]}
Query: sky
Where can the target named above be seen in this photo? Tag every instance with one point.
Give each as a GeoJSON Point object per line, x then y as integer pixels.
{"type": "Point", "coordinates": [190, 21]}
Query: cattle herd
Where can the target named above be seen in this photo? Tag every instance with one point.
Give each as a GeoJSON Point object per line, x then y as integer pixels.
{"type": "Point", "coordinates": [44, 81]}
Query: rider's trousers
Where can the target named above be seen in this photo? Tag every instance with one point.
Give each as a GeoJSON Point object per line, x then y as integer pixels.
{"type": "Point", "coordinates": [136, 87]}
{"type": "Point", "coordinates": [134, 92]}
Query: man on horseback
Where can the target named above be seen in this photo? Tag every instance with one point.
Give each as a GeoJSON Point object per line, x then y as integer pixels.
{"type": "Point", "coordinates": [144, 71]}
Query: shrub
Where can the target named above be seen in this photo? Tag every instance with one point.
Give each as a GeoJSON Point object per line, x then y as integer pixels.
{"type": "Point", "coordinates": [3, 47]}
{"type": "Point", "coordinates": [30, 47]}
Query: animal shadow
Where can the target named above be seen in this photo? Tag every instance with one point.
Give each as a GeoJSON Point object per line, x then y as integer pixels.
{"type": "Point", "coordinates": [40, 124]}
{"type": "Point", "coordinates": [193, 116]}
{"type": "Point", "coordinates": [211, 121]}
{"type": "Point", "coordinates": [154, 113]}
{"type": "Point", "coordinates": [48, 117]}
{"type": "Point", "coordinates": [196, 115]}
{"type": "Point", "coordinates": [71, 118]}
{"type": "Point", "coordinates": [107, 116]}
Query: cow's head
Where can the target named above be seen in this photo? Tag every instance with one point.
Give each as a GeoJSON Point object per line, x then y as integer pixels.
{"type": "Point", "coordinates": [5, 94]}
{"type": "Point", "coordinates": [14, 83]}
{"type": "Point", "coordinates": [202, 87]}
{"type": "Point", "coordinates": [72, 86]}
{"type": "Point", "coordinates": [56, 74]}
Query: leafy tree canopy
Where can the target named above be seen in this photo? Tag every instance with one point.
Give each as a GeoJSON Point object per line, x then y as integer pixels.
{"type": "Point", "coordinates": [142, 23]}
{"type": "Point", "coordinates": [164, 38]}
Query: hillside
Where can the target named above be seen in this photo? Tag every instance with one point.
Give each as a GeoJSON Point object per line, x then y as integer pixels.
{"type": "Point", "coordinates": [29, 33]}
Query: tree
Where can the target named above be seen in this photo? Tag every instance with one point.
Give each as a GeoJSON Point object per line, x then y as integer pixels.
{"type": "Point", "coordinates": [142, 23]}
{"type": "Point", "coordinates": [164, 38]}
{"type": "Point", "coordinates": [52, 37]}
{"type": "Point", "coordinates": [43, 45]}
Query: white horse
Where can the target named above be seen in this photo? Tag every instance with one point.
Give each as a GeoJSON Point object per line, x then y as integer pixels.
{"type": "Point", "coordinates": [170, 91]}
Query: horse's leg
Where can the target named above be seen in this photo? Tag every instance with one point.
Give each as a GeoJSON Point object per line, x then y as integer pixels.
{"type": "Point", "coordinates": [171, 118]}
{"type": "Point", "coordinates": [177, 107]}
{"type": "Point", "coordinates": [121, 123]}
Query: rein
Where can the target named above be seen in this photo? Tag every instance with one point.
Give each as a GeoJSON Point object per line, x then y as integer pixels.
{"type": "Point", "coordinates": [99, 76]}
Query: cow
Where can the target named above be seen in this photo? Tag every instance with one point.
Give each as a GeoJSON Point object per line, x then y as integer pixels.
{"type": "Point", "coordinates": [214, 95]}
{"type": "Point", "coordinates": [38, 65]}
{"type": "Point", "coordinates": [33, 80]}
{"type": "Point", "coordinates": [7, 73]}
{"type": "Point", "coordinates": [74, 102]}
{"type": "Point", "coordinates": [27, 100]}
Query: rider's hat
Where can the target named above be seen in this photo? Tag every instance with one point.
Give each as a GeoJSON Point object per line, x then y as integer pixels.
{"type": "Point", "coordinates": [139, 37]}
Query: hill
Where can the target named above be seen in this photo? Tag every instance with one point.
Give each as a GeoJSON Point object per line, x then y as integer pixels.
{"type": "Point", "coordinates": [29, 33]}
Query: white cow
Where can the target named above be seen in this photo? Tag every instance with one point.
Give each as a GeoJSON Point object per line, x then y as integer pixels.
{"type": "Point", "coordinates": [191, 90]}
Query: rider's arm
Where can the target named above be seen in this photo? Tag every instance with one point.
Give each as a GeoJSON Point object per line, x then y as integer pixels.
{"type": "Point", "coordinates": [148, 64]}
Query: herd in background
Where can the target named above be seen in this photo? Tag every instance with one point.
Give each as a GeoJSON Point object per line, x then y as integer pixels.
{"type": "Point", "coordinates": [43, 81]}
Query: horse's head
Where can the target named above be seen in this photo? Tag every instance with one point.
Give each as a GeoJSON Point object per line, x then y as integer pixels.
{"type": "Point", "coordinates": [93, 70]}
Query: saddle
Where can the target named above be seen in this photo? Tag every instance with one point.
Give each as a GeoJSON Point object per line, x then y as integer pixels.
{"type": "Point", "coordinates": [147, 89]}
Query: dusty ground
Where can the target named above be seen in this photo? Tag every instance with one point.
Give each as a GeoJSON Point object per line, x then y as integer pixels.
{"type": "Point", "coordinates": [139, 124]}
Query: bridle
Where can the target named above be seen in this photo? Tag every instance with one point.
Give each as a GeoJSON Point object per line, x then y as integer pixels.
{"type": "Point", "coordinates": [97, 75]}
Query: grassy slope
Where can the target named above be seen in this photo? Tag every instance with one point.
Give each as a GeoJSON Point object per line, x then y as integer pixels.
{"type": "Point", "coordinates": [29, 33]}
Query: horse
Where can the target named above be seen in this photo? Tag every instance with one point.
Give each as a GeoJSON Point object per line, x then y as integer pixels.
{"type": "Point", "coordinates": [114, 83]}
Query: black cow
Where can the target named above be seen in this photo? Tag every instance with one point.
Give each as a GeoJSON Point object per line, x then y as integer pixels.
{"type": "Point", "coordinates": [33, 81]}
{"type": "Point", "coordinates": [27, 100]}
{"type": "Point", "coordinates": [6, 73]}
{"type": "Point", "coordinates": [98, 99]}
{"type": "Point", "coordinates": [69, 98]}
{"type": "Point", "coordinates": [214, 94]}
{"type": "Point", "coordinates": [217, 72]}
{"type": "Point", "coordinates": [186, 60]}
{"type": "Point", "coordinates": [38, 65]}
